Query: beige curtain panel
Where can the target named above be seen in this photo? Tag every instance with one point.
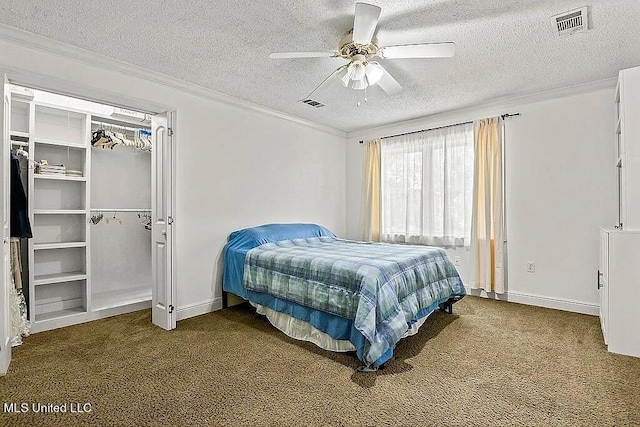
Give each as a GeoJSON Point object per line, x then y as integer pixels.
{"type": "Point", "coordinates": [487, 225]}
{"type": "Point", "coordinates": [371, 208]}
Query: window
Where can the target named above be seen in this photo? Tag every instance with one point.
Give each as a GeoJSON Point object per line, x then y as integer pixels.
{"type": "Point", "coordinates": [427, 187]}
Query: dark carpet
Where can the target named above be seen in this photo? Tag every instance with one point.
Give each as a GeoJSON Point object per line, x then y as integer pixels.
{"type": "Point", "coordinates": [490, 364]}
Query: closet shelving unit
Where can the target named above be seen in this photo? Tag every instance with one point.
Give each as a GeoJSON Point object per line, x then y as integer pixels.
{"type": "Point", "coordinates": [59, 267]}
{"type": "Point", "coordinates": [75, 271]}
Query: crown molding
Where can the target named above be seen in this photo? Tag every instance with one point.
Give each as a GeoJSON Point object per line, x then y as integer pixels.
{"type": "Point", "coordinates": [479, 111]}
{"type": "Point", "coordinates": [44, 44]}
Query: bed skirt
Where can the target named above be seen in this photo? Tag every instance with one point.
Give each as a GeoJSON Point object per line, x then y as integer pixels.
{"type": "Point", "coordinates": [304, 331]}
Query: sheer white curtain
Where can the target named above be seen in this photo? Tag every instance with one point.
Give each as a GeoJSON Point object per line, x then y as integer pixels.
{"type": "Point", "coordinates": [427, 187]}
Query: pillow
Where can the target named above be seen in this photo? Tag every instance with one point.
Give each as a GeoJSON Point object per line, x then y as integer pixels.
{"type": "Point", "coordinates": [255, 236]}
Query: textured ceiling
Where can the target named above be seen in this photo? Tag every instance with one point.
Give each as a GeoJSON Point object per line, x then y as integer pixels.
{"type": "Point", "coordinates": [504, 48]}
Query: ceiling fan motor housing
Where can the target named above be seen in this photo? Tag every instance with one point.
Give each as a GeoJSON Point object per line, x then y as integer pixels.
{"type": "Point", "coordinates": [349, 50]}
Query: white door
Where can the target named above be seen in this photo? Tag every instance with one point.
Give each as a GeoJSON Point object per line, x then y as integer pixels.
{"type": "Point", "coordinates": [163, 294]}
{"type": "Point", "coordinates": [5, 278]}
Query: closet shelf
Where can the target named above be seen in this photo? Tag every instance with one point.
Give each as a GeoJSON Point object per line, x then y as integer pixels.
{"type": "Point", "coordinates": [47, 279]}
{"type": "Point", "coordinates": [61, 143]}
{"type": "Point", "coordinates": [103, 119]}
{"type": "Point", "coordinates": [120, 297]}
{"type": "Point", "coordinates": [59, 212]}
{"type": "Point", "coordinates": [17, 134]}
{"type": "Point", "coordinates": [64, 245]}
{"type": "Point", "coordinates": [59, 177]}
{"type": "Point", "coordinates": [60, 313]}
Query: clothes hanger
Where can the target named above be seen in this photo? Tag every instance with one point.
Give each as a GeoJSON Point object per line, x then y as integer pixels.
{"type": "Point", "coordinates": [25, 155]}
{"type": "Point", "coordinates": [100, 137]}
{"type": "Point", "coordinates": [95, 219]}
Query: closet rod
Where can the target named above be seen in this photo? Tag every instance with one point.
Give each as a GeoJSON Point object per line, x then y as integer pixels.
{"type": "Point", "coordinates": [119, 210]}
{"type": "Point", "coordinates": [94, 122]}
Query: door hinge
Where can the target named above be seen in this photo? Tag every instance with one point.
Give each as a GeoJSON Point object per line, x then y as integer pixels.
{"type": "Point", "coordinates": [170, 220]}
{"type": "Point", "coordinates": [170, 308]}
{"type": "Point", "coordinates": [170, 130]}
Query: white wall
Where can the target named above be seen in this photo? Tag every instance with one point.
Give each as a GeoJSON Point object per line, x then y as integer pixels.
{"type": "Point", "coordinates": [560, 187]}
{"type": "Point", "coordinates": [235, 167]}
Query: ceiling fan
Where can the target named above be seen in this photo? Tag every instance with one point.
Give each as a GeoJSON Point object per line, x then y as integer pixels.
{"type": "Point", "coordinates": [360, 47]}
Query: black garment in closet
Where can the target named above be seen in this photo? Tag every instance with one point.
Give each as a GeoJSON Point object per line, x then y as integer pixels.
{"type": "Point", "coordinates": [20, 226]}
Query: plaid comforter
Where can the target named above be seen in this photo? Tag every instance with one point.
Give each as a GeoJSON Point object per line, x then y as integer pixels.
{"type": "Point", "coordinates": [381, 287]}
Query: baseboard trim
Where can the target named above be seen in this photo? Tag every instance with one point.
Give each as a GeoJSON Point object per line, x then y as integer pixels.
{"type": "Point", "coordinates": [540, 301]}
{"type": "Point", "coordinates": [199, 308]}
{"type": "Point", "coordinates": [556, 303]}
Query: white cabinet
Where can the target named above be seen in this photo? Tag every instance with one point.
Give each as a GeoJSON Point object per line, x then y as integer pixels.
{"type": "Point", "coordinates": [619, 287]}
{"type": "Point", "coordinates": [627, 104]}
{"type": "Point", "coordinates": [619, 269]}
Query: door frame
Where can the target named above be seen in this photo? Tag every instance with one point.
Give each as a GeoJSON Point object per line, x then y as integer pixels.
{"type": "Point", "coordinates": [5, 266]}
{"type": "Point", "coordinates": [70, 88]}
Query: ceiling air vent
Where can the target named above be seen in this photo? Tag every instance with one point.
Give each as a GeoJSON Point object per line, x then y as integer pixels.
{"type": "Point", "coordinates": [572, 22]}
{"type": "Point", "coordinates": [312, 103]}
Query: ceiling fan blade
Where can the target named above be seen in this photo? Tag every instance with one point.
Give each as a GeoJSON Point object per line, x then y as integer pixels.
{"type": "Point", "coordinates": [365, 22]}
{"type": "Point", "coordinates": [423, 50]}
{"type": "Point", "coordinates": [288, 55]}
{"type": "Point", "coordinates": [333, 73]}
{"type": "Point", "coordinates": [388, 84]}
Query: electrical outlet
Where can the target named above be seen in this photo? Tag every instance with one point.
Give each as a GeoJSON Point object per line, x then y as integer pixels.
{"type": "Point", "coordinates": [531, 267]}
{"type": "Point", "coordinates": [456, 260]}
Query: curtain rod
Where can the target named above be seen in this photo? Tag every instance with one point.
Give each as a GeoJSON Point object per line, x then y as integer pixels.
{"type": "Point", "coordinates": [504, 116]}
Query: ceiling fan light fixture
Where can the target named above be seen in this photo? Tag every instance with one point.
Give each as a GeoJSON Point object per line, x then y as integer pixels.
{"type": "Point", "coordinates": [360, 84]}
{"type": "Point", "coordinates": [374, 72]}
{"type": "Point", "coordinates": [358, 71]}
{"type": "Point", "coordinates": [347, 75]}
{"type": "Point", "coordinates": [343, 76]}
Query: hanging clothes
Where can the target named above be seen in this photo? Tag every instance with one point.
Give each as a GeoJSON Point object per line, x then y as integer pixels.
{"type": "Point", "coordinates": [18, 313]}
{"type": "Point", "coordinates": [16, 262]}
{"type": "Point", "coordinates": [20, 226]}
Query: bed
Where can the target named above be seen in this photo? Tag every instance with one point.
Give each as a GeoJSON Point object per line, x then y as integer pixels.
{"type": "Point", "coordinates": [342, 295]}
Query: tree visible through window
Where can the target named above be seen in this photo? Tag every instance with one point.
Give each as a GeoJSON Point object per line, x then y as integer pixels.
{"type": "Point", "coordinates": [427, 186]}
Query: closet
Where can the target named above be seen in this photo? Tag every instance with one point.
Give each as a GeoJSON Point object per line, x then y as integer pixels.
{"type": "Point", "coordinates": [87, 174]}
